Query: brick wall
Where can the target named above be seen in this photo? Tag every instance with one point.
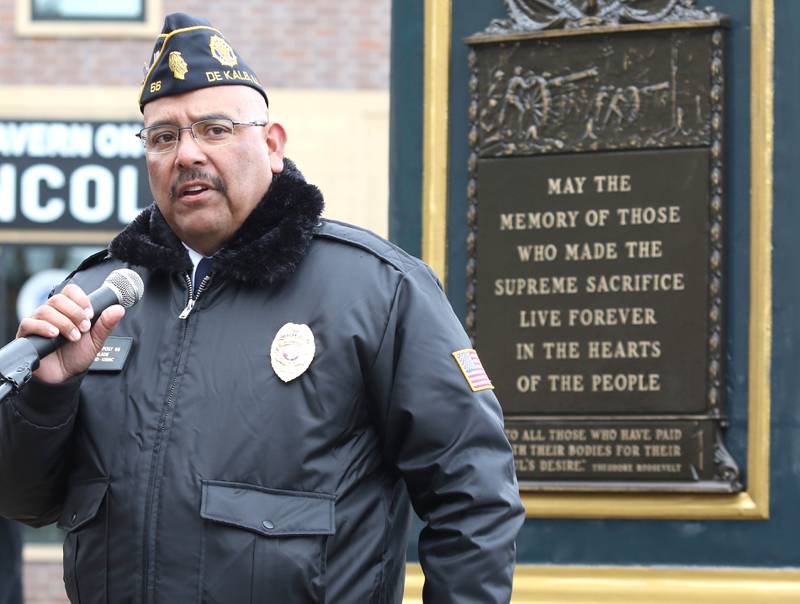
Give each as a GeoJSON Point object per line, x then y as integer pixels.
{"type": "Point", "coordinates": [341, 44]}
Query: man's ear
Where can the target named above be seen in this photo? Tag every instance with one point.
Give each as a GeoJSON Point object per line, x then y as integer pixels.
{"type": "Point", "coordinates": [276, 141]}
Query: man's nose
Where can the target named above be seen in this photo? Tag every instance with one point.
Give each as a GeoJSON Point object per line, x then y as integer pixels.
{"type": "Point", "coordinates": [188, 152]}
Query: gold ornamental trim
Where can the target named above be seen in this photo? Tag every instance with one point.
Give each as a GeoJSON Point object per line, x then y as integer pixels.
{"type": "Point", "coordinates": [639, 585]}
{"type": "Point", "coordinates": [762, 92]}
{"type": "Point", "coordinates": [753, 504]}
{"type": "Point", "coordinates": [438, 22]}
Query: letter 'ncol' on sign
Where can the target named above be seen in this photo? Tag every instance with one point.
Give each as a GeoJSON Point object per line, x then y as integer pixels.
{"type": "Point", "coordinates": [71, 175]}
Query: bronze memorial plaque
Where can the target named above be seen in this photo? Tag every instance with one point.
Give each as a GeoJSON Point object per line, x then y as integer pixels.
{"type": "Point", "coordinates": [595, 249]}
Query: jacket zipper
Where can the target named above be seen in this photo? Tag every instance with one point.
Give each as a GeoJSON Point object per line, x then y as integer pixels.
{"type": "Point", "coordinates": [153, 488]}
{"type": "Point", "coordinates": [193, 299]}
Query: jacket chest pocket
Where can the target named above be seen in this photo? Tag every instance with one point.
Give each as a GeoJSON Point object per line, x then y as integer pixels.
{"type": "Point", "coordinates": [264, 545]}
{"type": "Point", "coordinates": [84, 518]}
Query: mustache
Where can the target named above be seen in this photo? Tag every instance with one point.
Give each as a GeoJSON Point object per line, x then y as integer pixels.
{"type": "Point", "coordinates": [197, 174]}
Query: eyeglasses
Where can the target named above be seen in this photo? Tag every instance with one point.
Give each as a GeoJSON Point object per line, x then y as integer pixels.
{"type": "Point", "coordinates": [213, 132]}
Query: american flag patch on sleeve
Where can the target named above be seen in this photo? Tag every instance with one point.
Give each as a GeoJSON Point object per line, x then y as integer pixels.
{"type": "Point", "coordinates": [473, 370]}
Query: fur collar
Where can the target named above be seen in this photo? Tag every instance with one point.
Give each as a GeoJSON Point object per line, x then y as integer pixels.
{"type": "Point", "coordinates": [267, 248]}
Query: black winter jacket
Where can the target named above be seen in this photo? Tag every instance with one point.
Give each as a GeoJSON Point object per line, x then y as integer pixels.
{"type": "Point", "coordinates": [195, 474]}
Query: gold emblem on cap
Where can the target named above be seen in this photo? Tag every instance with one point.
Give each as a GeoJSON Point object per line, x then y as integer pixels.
{"type": "Point", "coordinates": [177, 65]}
{"type": "Point", "coordinates": [222, 51]}
{"type": "Point", "coordinates": [292, 351]}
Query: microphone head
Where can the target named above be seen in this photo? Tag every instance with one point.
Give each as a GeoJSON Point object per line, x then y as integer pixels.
{"type": "Point", "coordinates": [127, 284]}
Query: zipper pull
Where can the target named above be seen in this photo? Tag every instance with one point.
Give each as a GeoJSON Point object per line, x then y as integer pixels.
{"type": "Point", "coordinates": [192, 299]}
{"type": "Point", "coordinates": [185, 312]}
{"type": "Point", "coordinates": [190, 302]}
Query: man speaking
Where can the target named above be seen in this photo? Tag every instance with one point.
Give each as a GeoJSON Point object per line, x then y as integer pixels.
{"type": "Point", "coordinates": [257, 426]}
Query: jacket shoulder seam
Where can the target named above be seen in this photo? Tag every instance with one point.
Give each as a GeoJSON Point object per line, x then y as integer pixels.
{"type": "Point", "coordinates": [89, 262]}
{"type": "Point", "coordinates": [369, 242]}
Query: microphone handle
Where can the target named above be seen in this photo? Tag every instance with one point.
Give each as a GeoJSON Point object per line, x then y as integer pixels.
{"type": "Point", "coordinates": [100, 299]}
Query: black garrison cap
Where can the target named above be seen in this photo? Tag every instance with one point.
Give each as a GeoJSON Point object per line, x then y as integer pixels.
{"type": "Point", "coordinates": [190, 54]}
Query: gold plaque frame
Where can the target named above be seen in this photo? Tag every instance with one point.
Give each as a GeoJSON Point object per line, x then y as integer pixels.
{"type": "Point", "coordinates": [753, 503]}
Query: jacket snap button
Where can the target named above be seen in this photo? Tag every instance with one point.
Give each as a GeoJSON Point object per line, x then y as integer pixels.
{"type": "Point", "coordinates": [268, 525]}
{"type": "Point", "coordinates": [74, 518]}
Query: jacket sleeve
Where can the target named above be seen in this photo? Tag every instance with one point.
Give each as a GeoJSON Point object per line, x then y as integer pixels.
{"type": "Point", "coordinates": [35, 432]}
{"type": "Point", "coordinates": [449, 445]}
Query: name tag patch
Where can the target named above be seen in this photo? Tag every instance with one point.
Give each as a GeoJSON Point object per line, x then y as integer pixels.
{"type": "Point", "coordinates": [113, 355]}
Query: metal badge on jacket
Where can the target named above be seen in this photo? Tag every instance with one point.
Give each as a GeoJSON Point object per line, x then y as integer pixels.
{"type": "Point", "coordinates": [292, 351]}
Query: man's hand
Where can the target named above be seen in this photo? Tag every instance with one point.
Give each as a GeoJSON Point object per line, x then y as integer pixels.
{"type": "Point", "coordinates": [68, 313]}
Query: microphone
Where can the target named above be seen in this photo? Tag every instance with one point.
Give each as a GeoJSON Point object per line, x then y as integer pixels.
{"type": "Point", "coordinates": [20, 358]}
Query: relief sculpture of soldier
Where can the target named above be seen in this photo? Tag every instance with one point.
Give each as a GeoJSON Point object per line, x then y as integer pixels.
{"type": "Point", "coordinates": [597, 97]}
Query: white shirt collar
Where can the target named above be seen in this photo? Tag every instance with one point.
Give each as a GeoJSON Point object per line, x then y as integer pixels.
{"type": "Point", "coordinates": [195, 257]}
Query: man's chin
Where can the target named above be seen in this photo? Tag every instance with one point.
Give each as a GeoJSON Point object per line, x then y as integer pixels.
{"type": "Point", "coordinates": [200, 234]}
